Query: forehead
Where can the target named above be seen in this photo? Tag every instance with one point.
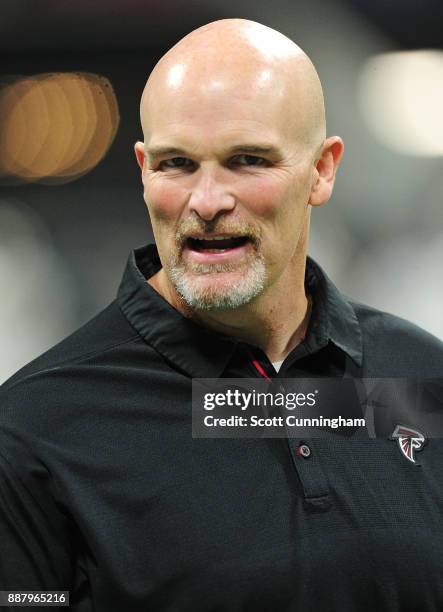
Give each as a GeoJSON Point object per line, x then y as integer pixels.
{"type": "Point", "coordinates": [199, 108]}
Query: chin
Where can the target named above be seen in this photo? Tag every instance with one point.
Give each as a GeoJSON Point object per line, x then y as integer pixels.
{"type": "Point", "coordinates": [219, 290]}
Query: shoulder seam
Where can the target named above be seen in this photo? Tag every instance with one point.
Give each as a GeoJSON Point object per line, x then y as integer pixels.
{"type": "Point", "coordinates": [77, 360]}
{"type": "Point", "coordinates": [377, 311]}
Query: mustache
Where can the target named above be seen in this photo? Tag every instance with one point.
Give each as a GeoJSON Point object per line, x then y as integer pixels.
{"type": "Point", "coordinates": [202, 228]}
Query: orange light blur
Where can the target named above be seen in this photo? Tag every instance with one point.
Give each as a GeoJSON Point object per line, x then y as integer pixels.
{"type": "Point", "coordinates": [55, 127]}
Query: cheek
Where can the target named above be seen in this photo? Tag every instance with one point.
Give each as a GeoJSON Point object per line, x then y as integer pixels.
{"type": "Point", "coordinates": [263, 196]}
{"type": "Point", "coordinates": [278, 202]}
{"type": "Point", "coordinates": [164, 199]}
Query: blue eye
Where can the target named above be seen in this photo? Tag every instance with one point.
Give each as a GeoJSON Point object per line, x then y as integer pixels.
{"type": "Point", "coordinates": [177, 162]}
{"type": "Point", "coordinates": [250, 160]}
{"type": "Point", "coordinates": [186, 163]}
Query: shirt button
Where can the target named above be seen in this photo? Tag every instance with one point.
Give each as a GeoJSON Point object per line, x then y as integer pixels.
{"type": "Point", "coordinates": [304, 451]}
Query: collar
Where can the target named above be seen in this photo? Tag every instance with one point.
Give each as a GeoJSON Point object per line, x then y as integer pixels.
{"type": "Point", "coordinates": [204, 353]}
{"type": "Point", "coordinates": [333, 318]}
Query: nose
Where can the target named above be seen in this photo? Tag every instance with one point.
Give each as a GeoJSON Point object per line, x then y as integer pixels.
{"type": "Point", "coordinates": [210, 195]}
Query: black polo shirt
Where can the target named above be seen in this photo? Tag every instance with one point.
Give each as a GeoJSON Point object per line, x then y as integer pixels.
{"type": "Point", "coordinates": [104, 492]}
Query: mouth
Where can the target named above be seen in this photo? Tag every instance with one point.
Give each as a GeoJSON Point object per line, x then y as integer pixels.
{"type": "Point", "coordinates": [217, 249]}
{"type": "Point", "coordinates": [217, 244]}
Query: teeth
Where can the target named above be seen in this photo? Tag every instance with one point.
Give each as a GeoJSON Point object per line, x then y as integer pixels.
{"type": "Point", "coordinates": [215, 238]}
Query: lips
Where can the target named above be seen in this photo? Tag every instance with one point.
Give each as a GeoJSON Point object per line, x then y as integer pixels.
{"type": "Point", "coordinates": [217, 249]}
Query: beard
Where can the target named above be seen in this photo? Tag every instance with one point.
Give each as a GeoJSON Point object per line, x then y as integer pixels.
{"type": "Point", "coordinates": [218, 286]}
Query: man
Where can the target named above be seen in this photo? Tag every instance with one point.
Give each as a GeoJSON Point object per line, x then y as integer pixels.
{"type": "Point", "coordinates": [105, 493]}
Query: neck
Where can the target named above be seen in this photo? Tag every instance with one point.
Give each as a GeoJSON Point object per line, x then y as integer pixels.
{"type": "Point", "coordinates": [276, 321]}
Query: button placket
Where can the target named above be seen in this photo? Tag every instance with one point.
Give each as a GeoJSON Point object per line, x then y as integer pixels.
{"type": "Point", "coordinates": [307, 463]}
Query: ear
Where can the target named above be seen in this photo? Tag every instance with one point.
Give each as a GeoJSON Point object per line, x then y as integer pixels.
{"type": "Point", "coordinates": [325, 170]}
{"type": "Point", "coordinates": [139, 149]}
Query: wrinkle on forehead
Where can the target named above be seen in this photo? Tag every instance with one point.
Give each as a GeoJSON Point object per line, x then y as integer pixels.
{"type": "Point", "coordinates": [236, 57]}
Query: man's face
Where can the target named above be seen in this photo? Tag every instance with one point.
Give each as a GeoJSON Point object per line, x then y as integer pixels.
{"type": "Point", "coordinates": [225, 160]}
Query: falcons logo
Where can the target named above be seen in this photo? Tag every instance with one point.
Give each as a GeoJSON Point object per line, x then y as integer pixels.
{"type": "Point", "coordinates": [409, 440]}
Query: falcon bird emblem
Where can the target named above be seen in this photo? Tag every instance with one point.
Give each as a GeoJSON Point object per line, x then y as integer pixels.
{"type": "Point", "coordinates": [409, 441]}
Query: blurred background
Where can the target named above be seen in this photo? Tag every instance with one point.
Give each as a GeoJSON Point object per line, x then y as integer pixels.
{"type": "Point", "coordinates": [71, 205]}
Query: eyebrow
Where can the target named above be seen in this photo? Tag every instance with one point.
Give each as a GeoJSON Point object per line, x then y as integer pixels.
{"type": "Point", "coordinates": [156, 152]}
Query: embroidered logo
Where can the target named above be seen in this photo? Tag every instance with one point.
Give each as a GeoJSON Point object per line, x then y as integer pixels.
{"type": "Point", "coordinates": [409, 441]}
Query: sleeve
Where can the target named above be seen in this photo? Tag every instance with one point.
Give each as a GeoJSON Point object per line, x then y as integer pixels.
{"type": "Point", "coordinates": [34, 539]}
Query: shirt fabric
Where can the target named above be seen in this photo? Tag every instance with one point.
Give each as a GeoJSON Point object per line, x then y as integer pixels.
{"type": "Point", "coordinates": [104, 492]}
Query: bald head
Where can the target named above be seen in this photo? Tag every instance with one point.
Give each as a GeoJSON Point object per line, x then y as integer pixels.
{"type": "Point", "coordinates": [241, 61]}
{"type": "Point", "coordinates": [234, 145]}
